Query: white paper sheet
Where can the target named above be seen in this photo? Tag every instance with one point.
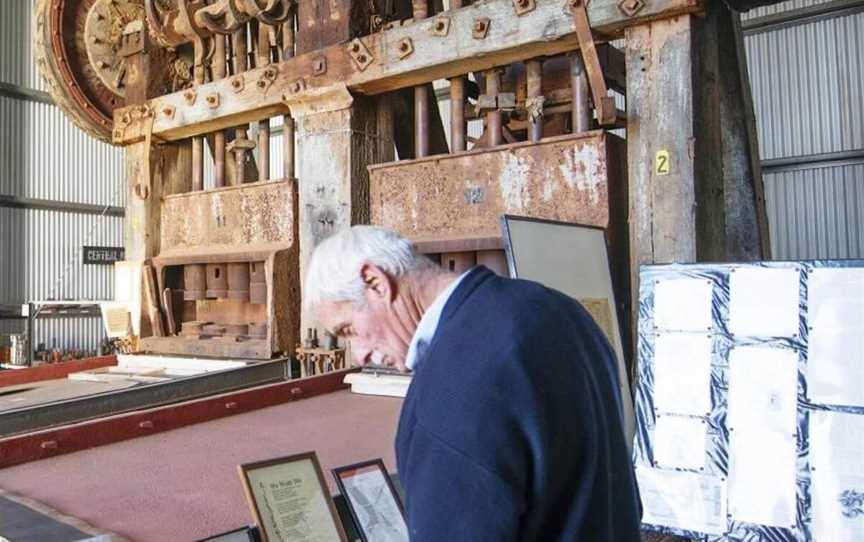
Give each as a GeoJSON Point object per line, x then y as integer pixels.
{"type": "Point", "coordinates": [835, 361]}
{"type": "Point", "coordinates": [763, 389]}
{"type": "Point", "coordinates": [682, 373]}
{"type": "Point", "coordinates": [837, 479]}
{"type": "Point", "coordinates": [683, 304]}
{"type": "Point", "coordinates": [762, 486]}
{"type": "Point", "coordinates": [679, 442]}
{"type": "Point", "coordinates": [764, 302]}
{"type": "Point", "coordinates": [682, 500]}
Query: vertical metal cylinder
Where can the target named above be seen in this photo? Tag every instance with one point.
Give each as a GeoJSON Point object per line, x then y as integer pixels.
{"type": "Point", "coordinates": [217, 280]}
{"type": "Point", "coordinates": [457, 114]}
{"type": "Point", "coordinates": [194, 281]}
{"type": "Point", "coordinates": [288, 134]}
{"type": "Point", "coordinates": [198, 142]}
{"type": "Point", "coordinates": [219, 72]}
{"type": "Point", "coordinates": [262, 59]}
{"type": "Point", "coordinates": [421, 97]}
{"type": "Point", "coordinates": [241, 64]}
{"type": "Point", "coordinates": [493, 117]}
{"type": "Point", "coordinates": [534, 75]}
{"type": "Point", "coordinates": [579, 92]}
{"type": "Point", "coordinates": [458, 128]}
{"type": "Point", "coordinates": [238, 281]}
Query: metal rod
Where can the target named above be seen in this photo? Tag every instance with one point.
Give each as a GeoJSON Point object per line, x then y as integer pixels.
{"type": "Point", "coordinates": [421, 97]}
{"type": "Point", "coordinates": [263, 59]}
{"type": "Point", "coordinates": [198, 142]}
{"type": "Point", "coordinates": [240, 61]}
{"type": "Point", "coordinates": [457, 114]}
{"type": "Point", "coordinates": [288, 133]}
{"type": "Point", "coordinates": [579, 92]}
{"type": "Point", "coordinates": [219, 72]}
{"type": "Point", "coordinates": [493, 117]}
{"type": "Point", "coordinates": [534, 75]}
{"type": "Point", "coordinates": [458, 127]}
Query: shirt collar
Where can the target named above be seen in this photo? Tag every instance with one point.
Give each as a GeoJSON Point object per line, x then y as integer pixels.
{"type": "Point", "coordinates": [428, 325]}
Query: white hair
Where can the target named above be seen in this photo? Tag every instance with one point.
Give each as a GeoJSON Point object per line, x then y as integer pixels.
{"type": "Point", "coordinates": [333, 274]}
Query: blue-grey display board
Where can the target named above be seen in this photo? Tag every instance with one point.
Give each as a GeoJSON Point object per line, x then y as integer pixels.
{"type": "Point", "coordinates": [750, 400]}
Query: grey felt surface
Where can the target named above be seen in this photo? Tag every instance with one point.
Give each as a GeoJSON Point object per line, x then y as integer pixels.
{"type": "Point", "coordinates": [19, 523]}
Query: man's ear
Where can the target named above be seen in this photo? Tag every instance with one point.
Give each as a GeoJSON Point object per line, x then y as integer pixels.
{"type": "Point", "coordinates": [378, 282]}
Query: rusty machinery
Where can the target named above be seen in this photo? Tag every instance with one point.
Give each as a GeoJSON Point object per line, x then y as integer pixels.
{"type": "Point", "coordinates": [227, 258]}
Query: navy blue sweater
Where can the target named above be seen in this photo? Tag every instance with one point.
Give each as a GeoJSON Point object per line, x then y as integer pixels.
{"type": "Point", "coordinates": [511, 429]}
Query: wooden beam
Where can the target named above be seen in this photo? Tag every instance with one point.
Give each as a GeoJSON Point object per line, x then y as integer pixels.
{"type": "Point", "coordinates": [547, 30]}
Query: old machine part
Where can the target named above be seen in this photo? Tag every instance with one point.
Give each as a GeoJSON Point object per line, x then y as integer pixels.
{"type": "Point", "coordinates": [349, 88]}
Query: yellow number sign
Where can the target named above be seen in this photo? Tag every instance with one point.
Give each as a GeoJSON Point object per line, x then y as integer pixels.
{"type": "Point", "coordinates": [661, 163]}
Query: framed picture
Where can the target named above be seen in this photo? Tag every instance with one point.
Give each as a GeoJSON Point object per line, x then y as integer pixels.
{"type": "Point", "coordinates": [290, 500]}
{"type": "Point", "coordinates": [573, 259]}
{"type": "Point", "coordinates": [372, 501]}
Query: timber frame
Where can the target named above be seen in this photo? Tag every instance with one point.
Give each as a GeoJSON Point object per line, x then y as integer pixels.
{"type": "Point", "coordinates": [548, 29]}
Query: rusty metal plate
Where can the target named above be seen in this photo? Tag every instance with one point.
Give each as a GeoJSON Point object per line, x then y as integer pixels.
{"type": "Point", "coordinates": [237, 216]}
{"type": "Point", "coordinates": [464, 195]}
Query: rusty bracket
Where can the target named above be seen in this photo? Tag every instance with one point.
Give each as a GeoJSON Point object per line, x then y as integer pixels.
{"type": "Point", "coordinates": [405, 47]}
{"type": "Point", "coordinates": [190, 96]}
{"type": "Point", "coordinates": [141, 189]}
{"type": "Point", "coordinates": [212, 101]}
{"type": "Point", "coordinates": [603, 103]}
{"type": "Point", "coordinates": [237, 83]}
{"type": "Point", "coordinates": [631, 7]}
{"type": "Point", "coordinates": [240, 145]}
{"type": "Point", "coordinates": [268, 77]}
{"type": "Point", "coordinates": [480, 28]}
{"type": "Point", "coordinates": [500, 101]}
{"type": "Point", "coordinates": [441, 26]}
{"type": "Point", "coordinates": [132, 39]}
{"type": "Point", "coordinates": [319, 66]}
{"type": "Point", "coordinates": [523, 6]}
{"type": "Point", "coordinates": [297, 86]}
{"type": "Point", "coordinates": [360, 54]}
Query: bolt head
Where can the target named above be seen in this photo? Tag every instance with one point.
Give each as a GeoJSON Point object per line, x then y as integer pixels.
{"type": "Point", "coordinates": [355, 47]}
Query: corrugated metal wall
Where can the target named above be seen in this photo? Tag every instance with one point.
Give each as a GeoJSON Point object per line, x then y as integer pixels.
{"type": "Point", "coordinates": [808, 90]}
{"type": "Point", "coordinates": [46, 157]}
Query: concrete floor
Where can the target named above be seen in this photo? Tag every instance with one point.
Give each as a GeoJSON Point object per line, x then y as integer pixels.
{"type": "Point", "coordinates": [183, 485]}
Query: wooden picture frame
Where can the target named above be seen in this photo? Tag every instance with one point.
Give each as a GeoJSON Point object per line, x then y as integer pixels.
{"type": "Point", "coordinates": [382, 502]}
{"type": "Point", "coordinates": [295, 481]}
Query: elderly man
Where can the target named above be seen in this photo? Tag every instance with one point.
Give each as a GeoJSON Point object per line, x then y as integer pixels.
{"type": "Point", "coordinates": [512, 426]}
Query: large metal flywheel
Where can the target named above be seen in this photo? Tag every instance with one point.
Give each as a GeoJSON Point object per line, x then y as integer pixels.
{"type": "Point", "coordinates": [77, 51]}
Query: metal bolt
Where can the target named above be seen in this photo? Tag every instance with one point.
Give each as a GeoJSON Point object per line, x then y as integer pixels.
{"type": "Point", "coordinates": [361, 59]}
{"type": "Point", "coordinates": [236, 83]}
{"type": "Point", "coordinates": [262, 84]}
{"type": "Point", "coordinates": [404, 46]}
{"type": "Point", "coordinates": [355, 47]}
{"type": "Point", "coordinates": [439, 26]}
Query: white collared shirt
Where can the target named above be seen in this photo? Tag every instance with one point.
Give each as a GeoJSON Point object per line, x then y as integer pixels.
{"type": "Point", "coordinates": [428, 325]}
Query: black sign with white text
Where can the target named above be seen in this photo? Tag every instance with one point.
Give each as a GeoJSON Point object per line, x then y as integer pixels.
{"type": "Point", "coordinates": [103, 255]}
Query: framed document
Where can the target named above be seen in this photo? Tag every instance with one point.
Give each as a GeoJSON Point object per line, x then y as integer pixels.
{"type": "Point", "coordinates": [373, 501]}
{"type": "Point", "coordinates": [290, 500]}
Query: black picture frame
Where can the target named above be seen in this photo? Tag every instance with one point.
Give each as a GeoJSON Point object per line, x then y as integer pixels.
{"type": "Point", "coordinates": [254, 507]}
{"type": "Point", "coordinates": [340, 473]}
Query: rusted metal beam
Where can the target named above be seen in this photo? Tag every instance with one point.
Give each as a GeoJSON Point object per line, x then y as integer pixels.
{"type": "Point", "coordinates": [493, 116]}
{"type": "Point", "coordinates": [421, 95]}
{"type": "Point", "coordinates": [547, 30]}
{"type": "Point", "coordinates": [219, 72]}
